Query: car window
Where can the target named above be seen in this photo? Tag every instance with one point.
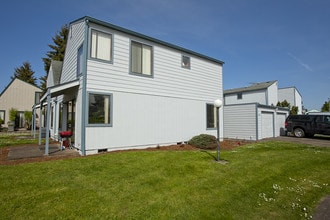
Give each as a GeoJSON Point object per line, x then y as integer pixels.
{"type": "Point", "coordinates": [327, 119]}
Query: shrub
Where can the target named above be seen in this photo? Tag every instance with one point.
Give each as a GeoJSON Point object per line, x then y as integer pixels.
{"type": "Point", "coordinates": [28, 119]}
{"type": "Point", "coordinates": [12, 114]}
{"type": "Point", "coordinates": [204, 141]}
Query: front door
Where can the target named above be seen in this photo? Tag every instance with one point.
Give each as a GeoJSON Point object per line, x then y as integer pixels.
{"type": "Point", "coordinates": [71, 117]}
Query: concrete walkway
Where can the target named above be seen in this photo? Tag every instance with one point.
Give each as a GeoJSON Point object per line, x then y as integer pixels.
{"type": "Point", "coordinates": [35, 151]}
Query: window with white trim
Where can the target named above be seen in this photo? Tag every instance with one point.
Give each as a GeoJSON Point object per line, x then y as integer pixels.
{"type": "Point", "coordinates": [141, 59]}
{"type": "Point", "coordinates": [101, 46]}
{"type": "Point", "coordinates": [99, 110]}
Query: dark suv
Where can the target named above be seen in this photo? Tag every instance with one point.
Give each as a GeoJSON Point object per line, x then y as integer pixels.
{"type": "Point", "coordinates": [308, 125]}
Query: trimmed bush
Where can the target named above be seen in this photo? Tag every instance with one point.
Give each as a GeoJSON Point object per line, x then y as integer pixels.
{"type": "Point", "coordinates": [204, 141]}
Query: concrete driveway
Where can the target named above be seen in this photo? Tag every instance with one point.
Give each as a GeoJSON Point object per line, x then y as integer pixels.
{"type": "Point", "coordinates": [321, 141]}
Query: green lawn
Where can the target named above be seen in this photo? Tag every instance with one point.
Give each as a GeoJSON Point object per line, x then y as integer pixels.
{"type": "Point", "coordinates": [17, 138]}
{"type": "Point", "coordinates": [269, 180]}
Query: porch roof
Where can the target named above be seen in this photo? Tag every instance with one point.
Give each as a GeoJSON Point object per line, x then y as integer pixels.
{"type": "Point", "coordinates": [60, 89]}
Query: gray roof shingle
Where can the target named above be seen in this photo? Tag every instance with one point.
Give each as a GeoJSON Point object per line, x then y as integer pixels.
{"type": "Point", "coordinates": [253, 87]}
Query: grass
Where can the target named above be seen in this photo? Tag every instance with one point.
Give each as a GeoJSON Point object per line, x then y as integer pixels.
{"type": "Point", "coordinates": [17, 138]}
{"type": "Point", "coordinates": [270, 180]}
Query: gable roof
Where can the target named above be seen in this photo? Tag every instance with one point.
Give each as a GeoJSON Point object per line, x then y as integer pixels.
{"type": "Point", "coordinates": [15, 78]}
{"type": "Point", "coordinates": [136, 34]}
{"type": "Point", "coordinates": [253, 87]}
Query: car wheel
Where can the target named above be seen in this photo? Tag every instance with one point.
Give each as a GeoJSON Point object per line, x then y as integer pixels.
{"type": "Point", "coordinates": [298, 132]}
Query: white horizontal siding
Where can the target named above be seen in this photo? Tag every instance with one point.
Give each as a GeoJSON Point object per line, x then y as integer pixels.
{"type": "Point", "coordinates": [240, 121]}
{"type": "Point", "coordinates": [169, 78]}
{"type": "Point", "coordinates": [75, 39]}
{"type": "Point", "coordinates": [143, 120]}
{"type": "Point", "coordinates": [247, 97]}
{"type": "Point", "coordinates": [272, 94]}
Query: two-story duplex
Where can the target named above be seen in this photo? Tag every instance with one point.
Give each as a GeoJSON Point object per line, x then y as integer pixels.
{"type": "Point", "coordinates": [251, 112]}
{"type": "Point", "coordinates": [120, 89]}
{"type": "Point", "coordinates": [291, 95]}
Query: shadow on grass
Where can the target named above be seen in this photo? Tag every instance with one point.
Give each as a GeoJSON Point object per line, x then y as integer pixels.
{"type": "Point", "coordinates": [212, 156]}
{"type": "Point", "coordinates": [209, 154]}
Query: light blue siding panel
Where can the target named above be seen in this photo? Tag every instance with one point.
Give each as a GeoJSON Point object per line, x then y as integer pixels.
{"type": "Point", "coordinates": [240, 121]}
{"type": "Point", "coordinates": [75, 39]}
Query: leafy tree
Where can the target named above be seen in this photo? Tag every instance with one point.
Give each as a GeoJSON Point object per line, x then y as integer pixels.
{"type": "Point", "coordinates": [25, 73]}
{"type": "Point", "coordinates": [294, 110]}
{"type": "Point", "coordinates": [326, 107]}
{"type": "Point", "coordinates": [56, 53]}
{"type": "Point", "coordinates": [285, 103]}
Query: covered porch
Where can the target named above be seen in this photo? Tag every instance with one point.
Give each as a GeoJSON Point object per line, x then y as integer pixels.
{"type": "Point", "coordinates": [57, 113]}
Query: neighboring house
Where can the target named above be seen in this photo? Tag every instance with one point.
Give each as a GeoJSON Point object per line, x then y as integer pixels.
{"type": "Point", "coordinates": [292, 96]}
{"type": "Point", "coordinates": [19, 95]}
{"type": "Point", "coordinates": [265, 93]}
{"type": "Point", "coordinates": [120, 90]}
{"type": "Point", "coordinates": [251, 112]}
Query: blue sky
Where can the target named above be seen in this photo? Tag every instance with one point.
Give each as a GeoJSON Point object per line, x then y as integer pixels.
{"type": "Point", "coordinates": [259, 40]}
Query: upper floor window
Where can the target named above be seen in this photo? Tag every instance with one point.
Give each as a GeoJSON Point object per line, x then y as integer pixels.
{"type": "Point", "coordinates": [101, 46]}
{"type": "Point", "coordinates": [185, 61]}
{"type": "Point", "coordinates": [80, 60]}
{"type": "Point", "coordinates": [239, 95]}
{"type": "Point", "coordinates": [141, 58]}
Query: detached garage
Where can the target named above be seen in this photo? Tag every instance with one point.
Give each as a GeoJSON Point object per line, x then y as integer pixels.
{"type": "Point", "coordinates": [253, 121]}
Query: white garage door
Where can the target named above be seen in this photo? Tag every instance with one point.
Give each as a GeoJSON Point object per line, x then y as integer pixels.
{"type": "Point", "coordinates": [267, 124]}
{"type": "Point", "coordinates": [280, 120]}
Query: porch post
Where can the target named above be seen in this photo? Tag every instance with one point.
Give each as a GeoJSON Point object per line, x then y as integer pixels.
{"type": "Point", "coordinates": [40, 122]}
{"type": "Point", "coordinates": [55, 127]}
{"type": "Point", "coordinates": [33, 128]}
{"type": "Point", "coordinates": [47, 124]}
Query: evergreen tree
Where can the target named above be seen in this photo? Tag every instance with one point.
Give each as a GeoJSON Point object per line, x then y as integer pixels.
{"type": "Point", "coordinates": [56, 53]}
{"type": "Point", "coordinates": [25, 73]}
{"type": "Point", "coordinates": [326, 107]}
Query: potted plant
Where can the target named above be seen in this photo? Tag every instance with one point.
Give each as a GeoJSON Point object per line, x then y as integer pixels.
{"type": "Point", "coordinates": [12, 117]}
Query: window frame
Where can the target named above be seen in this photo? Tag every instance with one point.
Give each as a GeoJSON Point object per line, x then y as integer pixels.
{"type": "Point", "coordinates": [183, 63]}
{"type": "Point", "coordinates": [80, 59]}
{"type": "Point", "coordinates": [151, 60]}
{"type": "Point", "coordinates": [214, 117]}
{"type": "Point", "coordinates": [4, 115]}
{"type": "Point", "coordinates": [91, 46]}
{"type": "Point", "coordinates": [239, 96]}
{"type": "Point", "coordinates": [110, 110]}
